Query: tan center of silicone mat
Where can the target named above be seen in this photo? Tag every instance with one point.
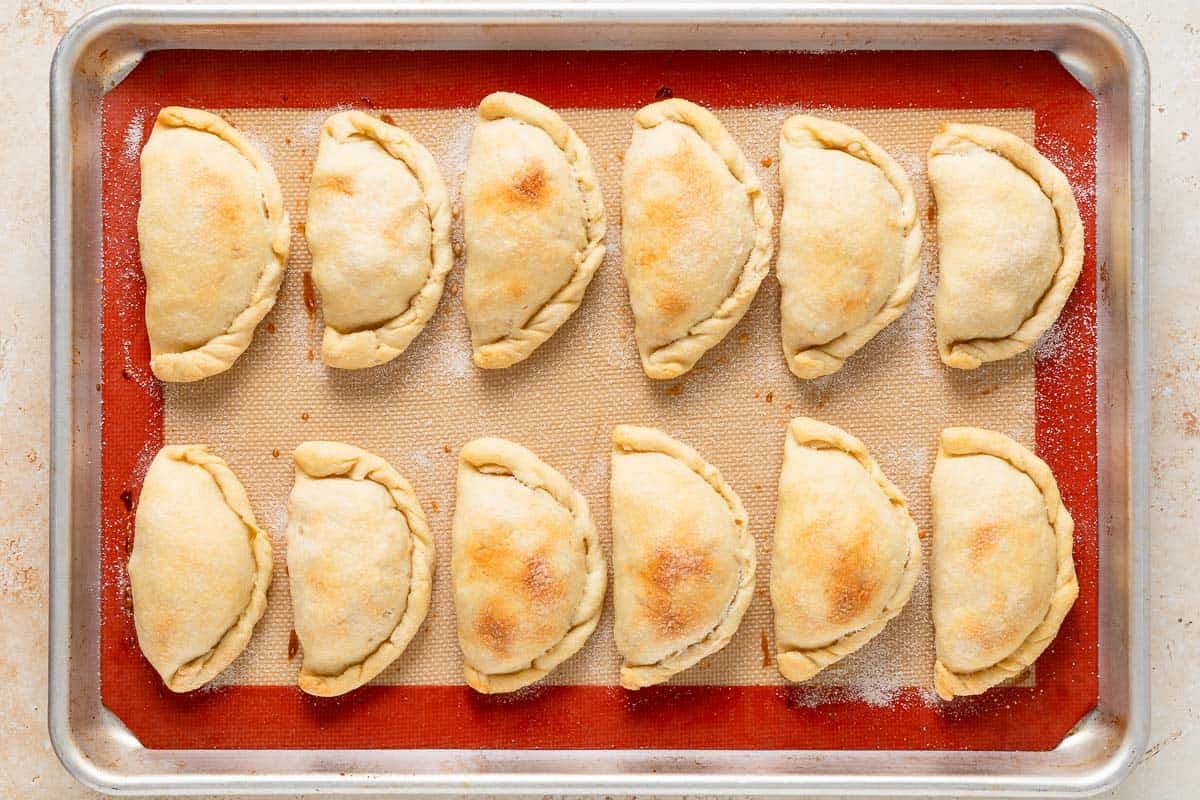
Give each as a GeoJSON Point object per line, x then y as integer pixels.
{"type": "Point", "coordinates": [563, 401]}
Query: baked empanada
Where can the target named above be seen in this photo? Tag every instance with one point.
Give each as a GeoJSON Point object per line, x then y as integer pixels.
{"type": "Point", "coordinates": [846, 551]}
{"type": "Point", "coordinates": [683, 556]}
{"type": "Point", "coordinates": [1003, 577]}
{"type": "Point", "coordinates": [199, 569]}
{"type": "Point", "coordinates": [360, 562]}
{"type": "Point", "coordinates": [849, 243]}
{"type": "Point", "coordinates": [695, 236]}
{"type": "Point", "coordinates": [529, 576]}
{"type": "Point", "coordinates": [534, 228]}
{"type": "Point", "coordinates": [379, 232]}
{"type": "Point", "coordinates": [1010, 244]}
{"type": "Point", "coordinates": [214, 238]}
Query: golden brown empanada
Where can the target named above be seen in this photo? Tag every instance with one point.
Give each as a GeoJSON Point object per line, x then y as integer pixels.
{"type": "Point", "coordinates": [849, 243]}
{"type": "Point", "coordinates": [534, 228]}
{"type": "Point", "coordinates": [200, 567]}
{"type": "Point", "coordinates": [696, 234]}
{"type": "Point", "coordinates": [1010, 244]}
{"type": "Point", "coordinates": [846, 552]}
{"type": "Point", "coordinates": [360, 563]}
{"type": "Point", "coordinates": [1003, 577]}
{"type": "Point", "coordinates": [214, 238]}
{"type": "Point", "coordinates": [683, 556]}
{"type": "Point", "coordinates": [379, 232]}
{"type": "Point", "coordinates": [529, 576]}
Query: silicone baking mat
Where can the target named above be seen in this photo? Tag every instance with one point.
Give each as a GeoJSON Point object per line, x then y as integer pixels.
{"type": "Point", "coordinates": [563, 401]}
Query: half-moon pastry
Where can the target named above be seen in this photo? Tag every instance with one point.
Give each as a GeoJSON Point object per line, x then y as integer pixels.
{"type": "Point", "coordinates": [683, 556]}
{"type": "Point", "coordinates": [213, 237]}
{"type": "Point", "coordinates": [849, 243]}
{"type": "Point", "coordinates": [846, 551]}
{"type": "Point", "coordinates": [379, 232]}
{"type": "Point", "coordinates": [199, 569]}
{"type": "Point", "coordinates": [1010, 244]}
{"type": "Point", "coordinates": [534, 228]}
{"type": "Point", "coordinates": [529, 576]}
{"type": "Point", "coordinates": [360, 562]}
{"type": "Point", "coordinates": [696, 234]}
{"type": "Point", "coordinates": [1003, 577]}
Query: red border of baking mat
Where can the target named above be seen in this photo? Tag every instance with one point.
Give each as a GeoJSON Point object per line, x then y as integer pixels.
{"type": "Point", "coordinates": [748, 717]}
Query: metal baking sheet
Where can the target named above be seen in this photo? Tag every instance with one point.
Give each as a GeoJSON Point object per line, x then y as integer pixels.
{"type": "Point", "coordinates": [1096, 48]}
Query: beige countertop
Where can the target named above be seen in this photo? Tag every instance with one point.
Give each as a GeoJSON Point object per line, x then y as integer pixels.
{"type": "Point", "coordinates": [29, 30]}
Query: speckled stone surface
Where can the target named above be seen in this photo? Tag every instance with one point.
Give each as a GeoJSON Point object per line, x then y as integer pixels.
{"type": "Point", "coordinates": [29, 29]}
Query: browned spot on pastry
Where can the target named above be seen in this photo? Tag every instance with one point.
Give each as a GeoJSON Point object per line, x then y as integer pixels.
{"type": "Point", "coordinates": [515, 286]}
{"type": "Point", "coordinates": [671, 303]}
{"type": "Point", "coordinates": [270, 327]}
{"type": "Point", "coordinates": [293, 644]}
{"type": "Point", "coordinates": [304, 416]}
{"type": "Point", "coordinates": [434, 505]}
{"type": "Point", "coordinates": [743, 337]}
{"type": "Point", "coordinates": [766, 647]}
{"type": "Point", "coordinates": [496, 629]}
{"type": "Point", "coordinates": [992, 630]}
{"type": "Point", "coordinates": [851, 582]}
{"type": "Point", "coordinates": [530, 187]}
{"type": "Point", "coordinates": [229, 210]}
{"type": "Point", "coordinates": [983, 541]}
{"type": "Point", "coordinates": [275, 453]}
{"type": "Point", "coordinates": [770, 397]}
{"type": "Point", "coordinates": [388, 118]}
{"type": "Point", "coordinates": [491, 553]}
{"type": "Point", "coordinates": [668, 577]}
{"type": "Point", "coordinates": [342, 184]}
{"type": "Point", "coordinates": [676, 390]}
{"type": "Point", "coordinates": [540, 582]}
{"type": "Point", "coordinates": [309, 355]}
{"type": "Point", "coordinates": [445, 448]}
{"type": "Point", "coordinates": [310, 295]}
